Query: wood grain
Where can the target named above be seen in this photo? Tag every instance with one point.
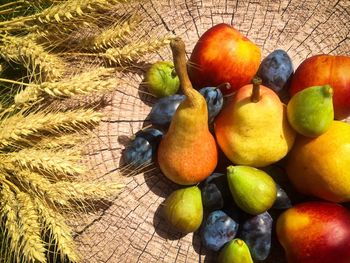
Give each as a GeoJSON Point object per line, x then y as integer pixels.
{"type": "Point", "coordinates": [130, 229]}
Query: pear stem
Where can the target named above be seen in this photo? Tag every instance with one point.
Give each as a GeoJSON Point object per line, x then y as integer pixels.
{"type": "Point", "coordinates": [179, 57]}
{"type": "Point", "coordinates": [256, 90]}
{"type": "Point", "coordinates": [224, 85]}
{"type": "Point", "coordinates": [327, 90]}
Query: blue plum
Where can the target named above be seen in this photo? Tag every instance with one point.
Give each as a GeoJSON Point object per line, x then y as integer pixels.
{"type": "Point", "coordinates": [215, 192]}
{"type": "Point", "coordinates": [256, 231]}
{"type": "Point", "coordinates": [215, 101]}
{"type": "Point", "coordinates": [282, 200]}
{"type": "Point", "coordinates": [143, 148]}
{"type": "Point", "coordinates": [275, 70]}
{"type": "Point", "coordinates": [212, 197]}
{"type": "Point", "coordinates": [218, 229]}
{"type": "Point", "coordinates": [163, 110]}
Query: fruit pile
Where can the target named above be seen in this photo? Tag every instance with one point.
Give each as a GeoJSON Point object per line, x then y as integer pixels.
{"type": "Point", "coordinates": [255, 139]}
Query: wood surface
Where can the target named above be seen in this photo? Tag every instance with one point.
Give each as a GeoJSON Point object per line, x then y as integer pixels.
{"type": "Point", "coordinates": [130, 229]}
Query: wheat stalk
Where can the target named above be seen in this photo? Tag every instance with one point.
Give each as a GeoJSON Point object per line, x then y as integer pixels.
{"type": "Point", "coordinates": [19, 127]}
{"type": "Point", "coordinates": [54, 224]}
{"type": "Point", "coordinates": [95, 80]}
{"type": "Point", "coordinates": [24, 50]}
{"type": "Point", "coordinates": [46, 161]}
{"type": "Point", "coordinates": [31, 243]}
{"type": "Point", "coordinates": [133, 51]}
{"type": "Point", "coordinates": [2, 67]}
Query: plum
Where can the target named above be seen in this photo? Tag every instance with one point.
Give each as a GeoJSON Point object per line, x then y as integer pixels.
{"type": "Point", "coordinates": [275, 70]}
{"type": "Point", "coordinates": [256, 231]}
{"type": "Point", "coordinates": [219, 229]}
{"type": "Point", "coordinates": [214, 99]}
{"type": "Point", "coordinates": [282, 200]}
{"type": "Point", "coordinates": [163, 110]}
{"type": "Point", "coordinates": [143, 148]}
{"type": "Point", "coordinates": [215, 192]}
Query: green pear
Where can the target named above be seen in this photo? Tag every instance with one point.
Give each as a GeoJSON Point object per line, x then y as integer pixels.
{"type": "Point", "coordinates": [235, 251]}
{"type": "Point", "coordinates": [310, 111]}
{"type": "Point", "coordinates": [183, 209]}
{"type": "Point", "coordinates": [162, 80]}
{"type": "Point", "coordinates": [253, 190]}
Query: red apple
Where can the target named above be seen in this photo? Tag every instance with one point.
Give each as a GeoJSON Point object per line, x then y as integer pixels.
{"type": "Point", "coordinates": [222, 54]}
{"type": "Point", "coordinates": [326, 69]}
{"type": "Point", "coordinates": [315, 232]}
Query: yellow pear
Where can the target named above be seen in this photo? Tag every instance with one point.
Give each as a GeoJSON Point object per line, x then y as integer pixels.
{"type": "Point", "coordinates": [187, 153]}
{"type": "Point", "coordinates": [252, 129]}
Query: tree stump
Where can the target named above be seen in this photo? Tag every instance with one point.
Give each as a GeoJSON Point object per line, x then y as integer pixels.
{"type": "Point", "coordinates": [131, 229]}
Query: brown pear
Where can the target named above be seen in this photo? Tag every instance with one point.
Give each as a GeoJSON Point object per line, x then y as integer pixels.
{"type": "Point", "coordinates": [188, 153]}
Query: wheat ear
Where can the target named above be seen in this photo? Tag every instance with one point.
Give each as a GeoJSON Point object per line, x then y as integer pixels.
{"type": "Point", "coordinates": [81, 191]}
{"type": "Point", "coordinates": [111, 36]}
{"type": "Point", "coordinates": [55, 163]}
{"type": "Point", "coordinates": [133, 51]}
{"type": "Point", "coordinates": [56, 13]}
{"type": "Point", "coordinates": [66, 141]}
{"type": "Point", "coordinates": [54, 225]}
{"type": "Point", "coordinates": [19, 127]}
{"type": "Point", "coordinates": [31, 243]}
{"type": "Point", "coordinates": [38, 185]}
{"type": "Point", "coordinates": [8, 212]}
{"type": "Point", "coordinates": [70, 10]}
{"type": "Point", "coordinates": [95, 80]}
{"type": "Point", "coordinates": [24, 50]}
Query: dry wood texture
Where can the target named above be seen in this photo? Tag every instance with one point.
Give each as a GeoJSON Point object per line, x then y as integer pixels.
{"type": "Point", "coordinates": [130, 230]}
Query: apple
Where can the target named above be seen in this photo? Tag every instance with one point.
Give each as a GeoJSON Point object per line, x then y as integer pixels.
{"type": "Point", "coordinates": [315, 232]}
{"type": "Point", "coordinates": [223, 54]}
{"type": "Point", "coordinates": [323, 69]}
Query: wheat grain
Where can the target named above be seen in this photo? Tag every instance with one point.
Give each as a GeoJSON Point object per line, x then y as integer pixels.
{"type": "Point", "coordinates": [81, 191]}
{"type": "Point", "coordinates": [18, 128]}
{"type": "Point", "coordinates": [133, 51]}
{"type": "Point", "coordinates": [8, 215]}
{"type": "Point", "coordinates": [95, 80]}
{"type": "Point", "coordinates": [31, 243]}
{"type": "Point", "coordinates": [54, 225]}
{"type": "Point", "coordinates": [55, 163]}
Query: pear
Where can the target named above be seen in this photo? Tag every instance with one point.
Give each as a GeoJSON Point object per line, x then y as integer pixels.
{"type": "Point", "coordinates": [183, 209]}
{"type": "Point", "coordinates": [187, 153]}
{"type": "Point", "coordinates": [252, 129]}
{"type": "Point", "coordinates": [235, 251]}
{"type": "Point", "coordinates": [161, 79]}
{"type": "Point", "coordinates": [310, 111]}
{"type": "Point", "coordinates": [253, 190]}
